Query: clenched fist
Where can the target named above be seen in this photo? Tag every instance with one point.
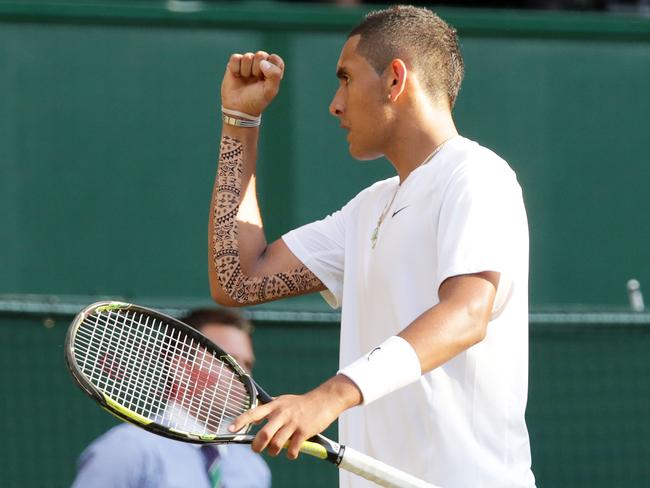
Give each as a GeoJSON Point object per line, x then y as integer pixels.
{"type": "Point", "coordinates": [251, 81]}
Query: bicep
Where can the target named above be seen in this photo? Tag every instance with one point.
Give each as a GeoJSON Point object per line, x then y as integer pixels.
{"type": "Point", "coordinates": [456, 323]}
{"type": "Point", "coordinates": [482, 228]}
{"type": "Point", "coordinates": [473, 294]}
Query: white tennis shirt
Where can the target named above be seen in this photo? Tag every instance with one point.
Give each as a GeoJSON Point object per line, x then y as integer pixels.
{"type": "Point", "coordinates": [461, 425]}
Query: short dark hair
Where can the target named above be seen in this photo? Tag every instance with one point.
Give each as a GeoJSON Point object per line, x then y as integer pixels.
{"type": "Point", "coordinates": [200, 317]}
{"type": "Point", "coordinates": [419, 37]}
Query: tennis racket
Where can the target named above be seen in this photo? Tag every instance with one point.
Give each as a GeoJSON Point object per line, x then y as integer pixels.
{"type": "Point", "coordinates": [160, 374]}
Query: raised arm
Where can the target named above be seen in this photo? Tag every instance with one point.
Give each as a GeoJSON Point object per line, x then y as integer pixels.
{"type": "Point", "coordinates": [243, 268]}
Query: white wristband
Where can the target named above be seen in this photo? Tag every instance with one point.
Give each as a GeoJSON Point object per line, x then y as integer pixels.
{"type": "Point", "coordinates": [388, 367]}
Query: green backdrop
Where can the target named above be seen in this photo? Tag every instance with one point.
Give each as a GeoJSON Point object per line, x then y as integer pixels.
{"type": "Point", "coordinates": [588, 411]}
{"type": "Point", "coordinates": [108, 140]}
{"type": "Point", "coordinates": [109, 134]}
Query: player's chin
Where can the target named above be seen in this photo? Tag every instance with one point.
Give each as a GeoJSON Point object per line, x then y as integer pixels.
{"type": "Point", "coordinates": [362, 153]}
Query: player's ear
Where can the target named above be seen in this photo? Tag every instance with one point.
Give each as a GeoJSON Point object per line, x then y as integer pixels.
{"type": "Point", "coordinates": [396, 79]}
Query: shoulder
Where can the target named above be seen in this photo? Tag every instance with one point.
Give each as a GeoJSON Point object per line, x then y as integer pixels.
{"type": "Point", "coordinates": [374, 191]}
{"type": "Point", "coordinates": [380, 187]}
{"type": "Point", "coordinates": [127, 443]}
{"type": "Point", "coordinates": [123, 434]}
{"type": "Point", "coordinates": [120, 457]}
{"type": "Point", "coordinates": [471, 160]}
{"type": "Point", "coordinates": [122, 444]}
{"type": "Point", "coordinates": [466, 166]}
{"type": "Point", "coordinates": [242, 453]}
{"type": "Point", "coordinates": [377, 190]}
{"type": "Point", "coordinates": [128, 456]}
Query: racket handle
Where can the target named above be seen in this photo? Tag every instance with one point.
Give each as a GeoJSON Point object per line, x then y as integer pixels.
{"type": "Point", "coordinates": [378, 472]}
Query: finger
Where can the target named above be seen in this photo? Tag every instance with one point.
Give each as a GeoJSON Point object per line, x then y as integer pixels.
{"type": "Point", "coordinates": [259, 56]}
{"type": "Point", "coordinates": [234, 64]}
{"type": "Point", "coordinates": [267, 433]}
{"type": "Point", "coordinates": [246, 64]}
{"type": "Point", "coordinates": [254, 415]}
{"type": "Point", "coordinates": [295, 443]}
{"type": "Point", "coordinates": [280, 439]}
{"type": "Point", "coordinates": [277, 60]}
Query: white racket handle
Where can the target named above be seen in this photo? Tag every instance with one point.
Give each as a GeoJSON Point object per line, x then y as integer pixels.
{"type": "Point", "coordinates": [380, 473]}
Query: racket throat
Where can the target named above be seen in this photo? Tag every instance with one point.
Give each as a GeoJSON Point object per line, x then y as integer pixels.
{"type": "Point", "coordinates": [329, 450]}
{"type": "Point", "coordinates": [338, 457]}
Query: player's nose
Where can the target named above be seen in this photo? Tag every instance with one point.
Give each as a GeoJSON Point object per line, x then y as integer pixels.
{"type": "Point", "coordinates": [336, 105]}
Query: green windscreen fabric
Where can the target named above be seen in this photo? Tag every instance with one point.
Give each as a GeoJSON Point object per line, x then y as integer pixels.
{"type": "Point", "coordinates": [589, 405]}
{"type": "Point", "coordinates": [588, 410]}
{"type": "Point", "coordinates": [109, 134]}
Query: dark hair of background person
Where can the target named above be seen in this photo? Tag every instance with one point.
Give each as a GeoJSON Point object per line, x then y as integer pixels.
{"type": "Point", "coordinates": [200, 317]}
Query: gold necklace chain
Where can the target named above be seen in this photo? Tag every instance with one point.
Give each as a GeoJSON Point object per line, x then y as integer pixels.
{"type": "Point", "coordinates": [375, 233]}
{"type": "Point", "coordinates": [380, 220]}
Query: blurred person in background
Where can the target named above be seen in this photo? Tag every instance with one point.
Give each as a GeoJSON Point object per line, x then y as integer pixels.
{"type": "Point", "coordinates": [129, 457]}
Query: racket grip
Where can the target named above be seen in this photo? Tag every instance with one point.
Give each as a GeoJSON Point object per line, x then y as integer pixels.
{"type": "Point", "coordinates": [311, 448]}
{"type": "Point", "coordinates": [378, 472]}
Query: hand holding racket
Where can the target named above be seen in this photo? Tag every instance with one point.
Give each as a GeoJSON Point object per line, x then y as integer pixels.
{"type": "Point", "coordinates": [160, 374]}
{"type": "Point", "coordinates": [293, 419]}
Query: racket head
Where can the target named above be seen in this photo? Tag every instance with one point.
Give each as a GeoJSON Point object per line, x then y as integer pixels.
{"type": "Point", "coordinates": [156, 372]}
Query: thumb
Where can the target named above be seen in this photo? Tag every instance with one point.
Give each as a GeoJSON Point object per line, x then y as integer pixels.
{"type": "Point", "coordinates": [270, 70]}
{"type": "Point", "coordinates": [272, 76]}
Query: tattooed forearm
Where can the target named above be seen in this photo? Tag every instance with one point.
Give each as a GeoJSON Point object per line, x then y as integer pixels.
{"type": "Point", "coordinates": [225, 245]}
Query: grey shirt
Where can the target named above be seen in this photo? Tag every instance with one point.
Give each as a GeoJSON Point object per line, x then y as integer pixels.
{"type": "Point", "coordinates": [129, 457]}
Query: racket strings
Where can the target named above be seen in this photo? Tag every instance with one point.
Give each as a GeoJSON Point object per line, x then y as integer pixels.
{"type": "Point", "coordinates": [109, 371]}
{"type": "Point", "coordinates": [111, 368]}
{"type": "Point", "coordinates": [154, 371]}
{"type": "Point", "coordinates": [183, 377]}
{"type": "Point", "coordinates": [159, 372]}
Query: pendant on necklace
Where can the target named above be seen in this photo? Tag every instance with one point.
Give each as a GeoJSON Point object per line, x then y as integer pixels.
{"type": "Point", "coordinates": [373, 237]}
{"type": "Point", "coordinates": [375, 233]}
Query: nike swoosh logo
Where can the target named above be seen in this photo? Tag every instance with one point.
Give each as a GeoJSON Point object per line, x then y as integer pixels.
{"type": "Point", "coordinates": [399, 210]}
{"type": "Point", "coordinates": [375, 349]}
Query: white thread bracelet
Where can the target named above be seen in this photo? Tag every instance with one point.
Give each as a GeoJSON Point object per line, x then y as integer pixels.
{"type": "Point", "coordinates": [243, 115]}
{"type": "Point", "coordinates": [239, 122]}
{"type": "Point", "coordinates": [388, 367]}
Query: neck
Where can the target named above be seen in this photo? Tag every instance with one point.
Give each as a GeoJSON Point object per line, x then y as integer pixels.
{"type": "Point", "coordinates": [417, 138]}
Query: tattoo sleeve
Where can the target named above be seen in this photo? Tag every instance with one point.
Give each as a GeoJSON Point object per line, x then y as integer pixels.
{"type": "Point", "coordinates": [225, 245]}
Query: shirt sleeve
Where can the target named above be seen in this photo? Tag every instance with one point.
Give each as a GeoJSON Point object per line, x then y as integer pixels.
{"type": "Point", "coordinates": [320, 246]}
{"type": "Point", "coordinates": [482, 226]}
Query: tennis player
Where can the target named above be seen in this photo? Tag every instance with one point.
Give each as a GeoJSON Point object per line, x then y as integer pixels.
{"type": "Point", "coordinates": [430, 266]}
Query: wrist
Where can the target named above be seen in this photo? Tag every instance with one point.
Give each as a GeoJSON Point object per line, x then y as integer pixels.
{"type": "Point", "coordinates": [338, 394]}
{"type": "Point", "coordinates": [388, 367]}
{"type": "Point", "coordinates": [238, 118]}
